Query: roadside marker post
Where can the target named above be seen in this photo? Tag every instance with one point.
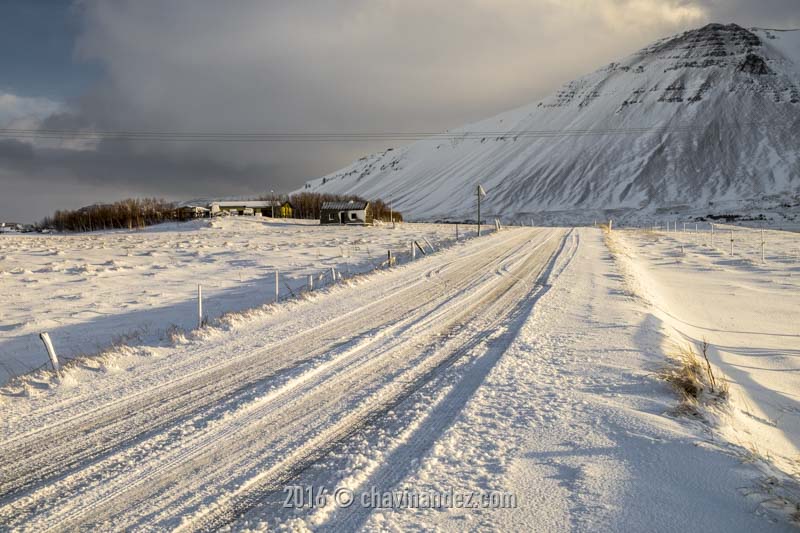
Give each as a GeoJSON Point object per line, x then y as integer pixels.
{"type": "Point", "coordinates": [731, 242]}
{"type": "Point", "coordinates": [310, 282]}
{"type": "Point", "coordinates": [277, 289]}
{"type": "Point", "coordinates": [199, 306]}
{"type": "Point", "coordinates": [51, 352]}
{"type": "Point", "coordinates": [413, 252]}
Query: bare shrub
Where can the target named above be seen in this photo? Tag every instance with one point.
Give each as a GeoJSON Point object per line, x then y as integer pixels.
{"type": "Point", "coordinates": [693, 378]}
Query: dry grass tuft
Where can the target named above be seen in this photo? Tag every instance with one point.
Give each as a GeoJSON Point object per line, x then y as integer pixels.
{"type": "Point", "coordinates": [692, 377]}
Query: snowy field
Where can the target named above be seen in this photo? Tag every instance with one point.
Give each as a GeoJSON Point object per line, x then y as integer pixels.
{"type": "Point", "coordinates": [93, 290]}
{"type": "Point", "coordinates": [518, 370]}
{"type": "Point", "coordinates": [746, 305]}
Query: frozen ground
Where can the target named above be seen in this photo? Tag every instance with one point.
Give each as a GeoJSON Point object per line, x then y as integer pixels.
{"type": "Point", "coordinates": [523, 363]}
{"type": "Point", "coordinates": [94, 290]}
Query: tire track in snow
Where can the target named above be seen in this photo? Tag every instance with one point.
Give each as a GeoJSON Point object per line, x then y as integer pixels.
{"type": "Point", "coordinates": [409, 445]}
{"type": "Point", "coordinates": [50, 451]}
{"type": "Point", "coordinates": [455, 273]}
{"type": "Point", "coordinates": [509, 303]}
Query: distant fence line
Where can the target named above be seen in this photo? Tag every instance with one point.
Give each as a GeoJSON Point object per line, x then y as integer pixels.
{"type": "Point", "coordinates": [744, 242]}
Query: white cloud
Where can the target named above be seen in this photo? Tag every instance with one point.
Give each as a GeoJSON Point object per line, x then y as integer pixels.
{"type": "Point", "coordinates": [25, 110]}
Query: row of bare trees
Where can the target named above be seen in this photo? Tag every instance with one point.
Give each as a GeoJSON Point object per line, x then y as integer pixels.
{"type": "Point", "coordinates": [125, 214]}
{"type": "Point", "coordinates": [382, 211]}
{"type": "Point", "coordinates": [138, 213]}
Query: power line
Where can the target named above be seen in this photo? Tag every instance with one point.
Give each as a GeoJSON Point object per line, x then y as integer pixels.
{"type": "Point", "coordinates": [263, 137]}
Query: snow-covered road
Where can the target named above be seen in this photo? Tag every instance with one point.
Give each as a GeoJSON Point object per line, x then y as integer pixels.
{"type": "Point", "coordinates": [199, 437]}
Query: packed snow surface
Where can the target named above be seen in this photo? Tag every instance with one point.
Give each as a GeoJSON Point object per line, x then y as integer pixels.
{"type": "Point", "coordinates": [704, 121]}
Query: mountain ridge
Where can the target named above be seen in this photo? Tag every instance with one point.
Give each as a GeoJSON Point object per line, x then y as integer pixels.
{"type": "Point", "coordinates": [719, 102]}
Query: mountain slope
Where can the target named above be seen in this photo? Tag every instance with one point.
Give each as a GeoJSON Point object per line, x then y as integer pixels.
{"type": "Point", "coordinates": [721, 105]}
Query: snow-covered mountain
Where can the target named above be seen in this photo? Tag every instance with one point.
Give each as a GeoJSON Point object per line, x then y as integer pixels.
{"type": "Point", "coordinates": [720, 109]}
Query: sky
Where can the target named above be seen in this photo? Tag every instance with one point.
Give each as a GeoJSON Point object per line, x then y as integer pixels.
{"type": "Point", "coordinates": [276, 66]}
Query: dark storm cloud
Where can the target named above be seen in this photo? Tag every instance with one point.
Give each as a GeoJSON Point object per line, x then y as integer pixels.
{"type": "Point", "coordinates": [56, 178]}
{"type": "Point", "coordinates": [127, 166]}
{"type": "Point", "coordinates": [351, 65]}
{"type": "Point", "coordinates": [779, 14]}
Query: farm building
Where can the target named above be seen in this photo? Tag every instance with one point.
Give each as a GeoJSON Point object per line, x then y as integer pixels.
{"type": "Point", "coordinates": [267, 208]}
{"type": "Point", "coordinates": [352, 212]}
{"type": "Point", "coordinates": [192, 211]}
{"type": "Point", "coordinates": [284, 210]}
{"type": "Point", "coordinates": [11, 226]}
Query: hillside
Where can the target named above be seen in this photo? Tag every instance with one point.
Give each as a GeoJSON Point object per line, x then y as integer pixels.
{"type": "Point", "coordinates": [699, 122]}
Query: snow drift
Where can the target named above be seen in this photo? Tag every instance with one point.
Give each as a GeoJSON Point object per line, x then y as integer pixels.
{"type": "Point", "coordinates": [704, 120]}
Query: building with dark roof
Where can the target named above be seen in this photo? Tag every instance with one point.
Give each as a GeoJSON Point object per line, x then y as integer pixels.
{"type": "Point", "coordinates": [352, 212]}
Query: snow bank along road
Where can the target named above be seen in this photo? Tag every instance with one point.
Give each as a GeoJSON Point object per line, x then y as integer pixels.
{"type": "Point", "coordinates": [199, 436]}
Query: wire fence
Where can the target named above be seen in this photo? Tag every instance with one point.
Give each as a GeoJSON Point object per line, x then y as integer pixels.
{"type": "Point", "coordinates": [756, 245]}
